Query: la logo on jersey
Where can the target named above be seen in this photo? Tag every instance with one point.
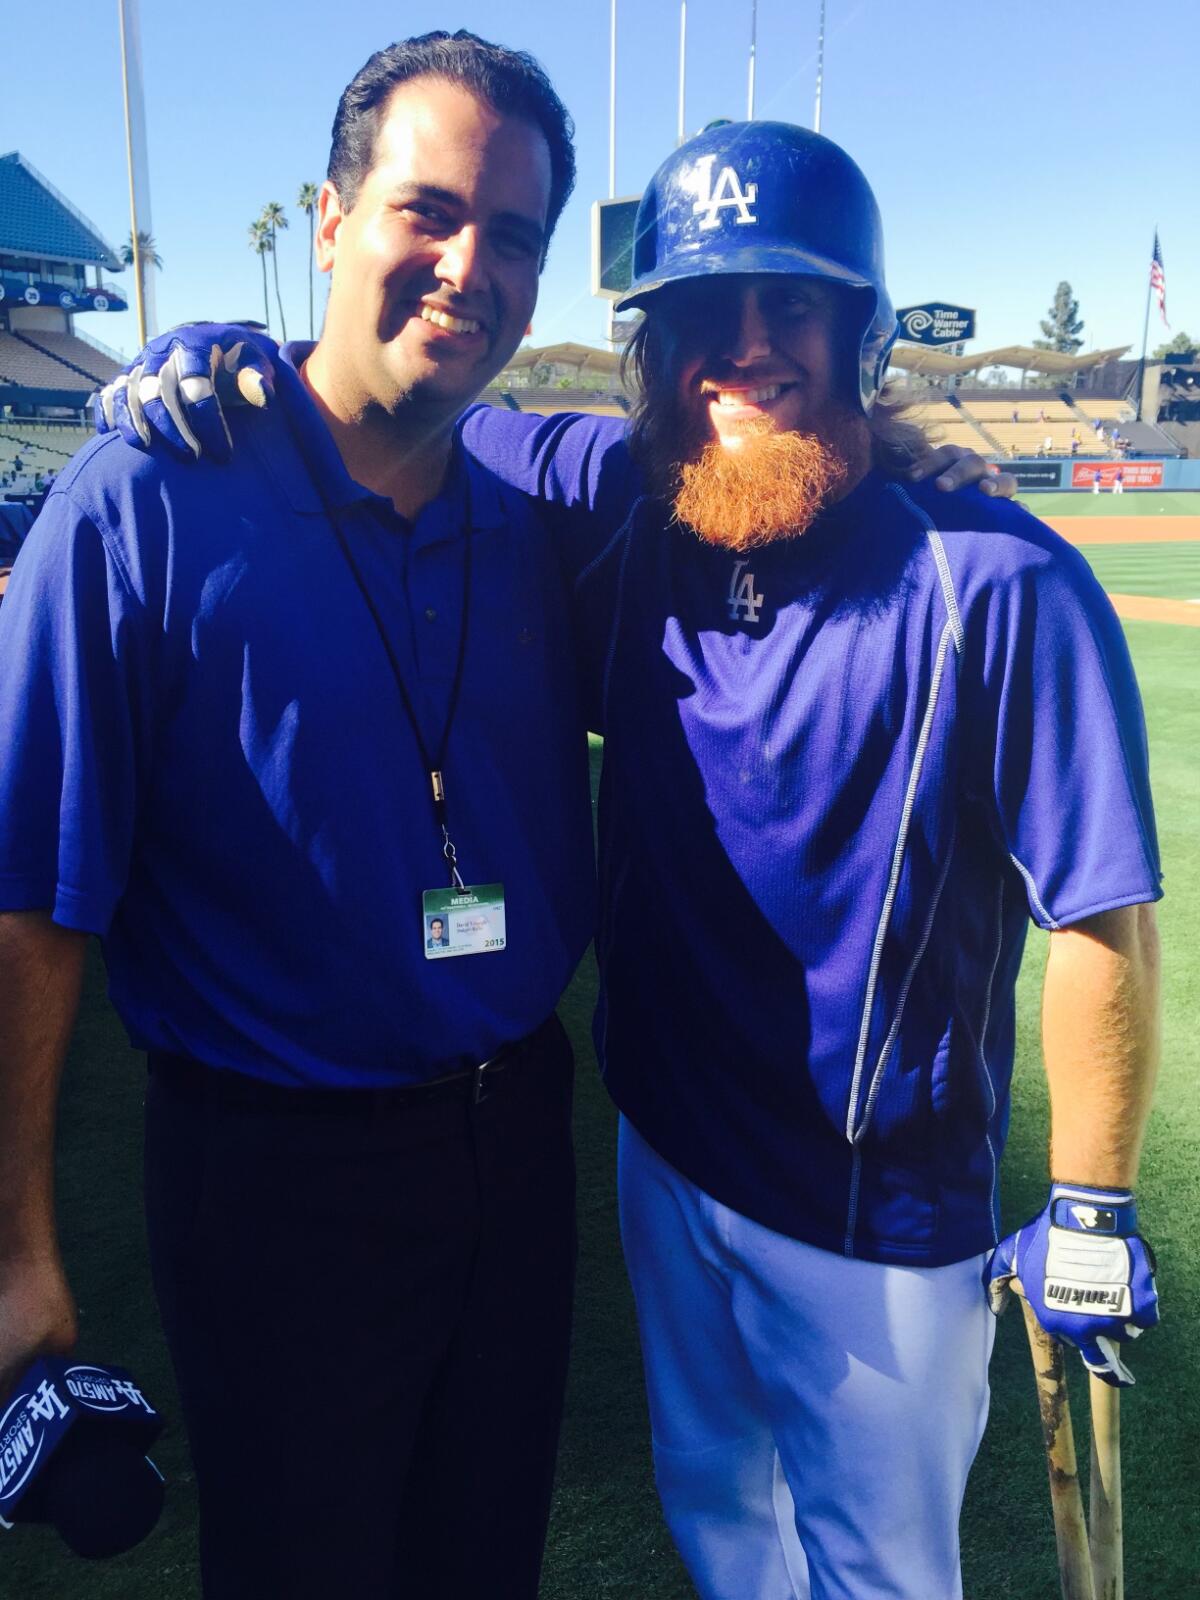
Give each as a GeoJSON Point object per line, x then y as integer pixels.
{"type": "Point", "coordinates": [744, 601]}
{"type": "Point", "coordinates": [727, 192]}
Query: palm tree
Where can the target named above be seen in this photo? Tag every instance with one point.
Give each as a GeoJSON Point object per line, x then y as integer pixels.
{"type": "Point", "coordinates": [260, 243]}
{"type": "Point", "coordinates": [147, 256]}
{"type": "Point", "coordinates": [307, 201]}
{"type": "Point", "coordinates": [275, 217]}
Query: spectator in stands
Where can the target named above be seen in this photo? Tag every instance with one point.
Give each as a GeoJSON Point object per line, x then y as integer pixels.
{"type": "Point", "coordinates": [1074, 445]}
{"type": "Point", "coordinates": [1041, 413]}
{"type": "Point", "coordinates": [1016, 415]}
{"type": "Point", "coordinates": [1099, 425]}
{"type": "Point", "coordinates": [1048, 446]}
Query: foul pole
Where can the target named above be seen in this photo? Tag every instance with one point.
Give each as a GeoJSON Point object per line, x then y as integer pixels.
{"type": "Point", "coordinates": [820, 69]}
{"type": "Point", "coordinates": [682, 68]}
{"type": "Point", "coordinates": [129, 22]}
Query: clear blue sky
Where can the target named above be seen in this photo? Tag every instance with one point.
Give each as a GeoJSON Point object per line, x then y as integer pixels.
{"type": "Point", "coordinates": [1010, 144]}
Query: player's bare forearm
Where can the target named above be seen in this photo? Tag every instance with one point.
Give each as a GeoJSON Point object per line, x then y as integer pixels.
{"type": "Point", "coordinates": [1100, 1035]}
{"type": "Point", "coordinates": [41, 970]}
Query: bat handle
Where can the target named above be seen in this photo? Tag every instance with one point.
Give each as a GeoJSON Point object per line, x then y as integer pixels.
{"type": "Point", "coordinates": [1105, 1517]}
{"type": "Point", "coordinates": [1070, 1529]}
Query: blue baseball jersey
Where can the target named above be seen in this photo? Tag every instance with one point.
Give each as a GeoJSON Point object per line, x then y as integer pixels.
{"type": "Point", "coordinates": [205, 760]}
{"type": "Point", "coordinates": [842, 773]}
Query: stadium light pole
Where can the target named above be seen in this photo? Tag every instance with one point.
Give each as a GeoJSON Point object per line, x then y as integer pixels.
{"type": "Point", "coordinates": [612, 144]}
{"type": "Point", "coordinates": [753, 50]}
{"type": "Point", "coordinates": [612, 101]}
{"type": "Point", "coordinates": [134, 234]}
{"type": "Point", "coordinates": [682, 67]}
{"type": "Point", "coordinates": [820, 68]}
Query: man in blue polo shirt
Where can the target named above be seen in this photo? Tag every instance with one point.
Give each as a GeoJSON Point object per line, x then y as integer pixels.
{"type": "Point", "coordinates": [259, 724]}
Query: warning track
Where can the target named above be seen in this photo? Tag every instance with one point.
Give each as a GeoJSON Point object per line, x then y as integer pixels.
{"type": "Point", "coordinates": [1126, 530]}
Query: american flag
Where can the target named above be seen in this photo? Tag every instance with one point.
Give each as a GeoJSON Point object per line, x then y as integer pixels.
{"type": "Point", "coordinates": [1158, 280]}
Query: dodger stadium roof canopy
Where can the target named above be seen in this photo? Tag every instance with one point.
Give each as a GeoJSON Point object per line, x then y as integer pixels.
{"type": "Point", "coordinates": [915, 358]}
{"type": "Point", "coordinates": [35, 220]}
{"type": "Point", "coordinates": [581, 356]}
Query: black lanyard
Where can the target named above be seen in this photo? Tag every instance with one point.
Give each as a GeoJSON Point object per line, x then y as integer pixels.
{"type": "Point", "coordinates": [433, 763]}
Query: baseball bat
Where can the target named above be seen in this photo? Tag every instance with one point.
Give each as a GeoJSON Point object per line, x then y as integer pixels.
{"type": "Point", "coordinates": [1066, 1500]}
{"type": "Point", "coordinates": [1104, 1511]}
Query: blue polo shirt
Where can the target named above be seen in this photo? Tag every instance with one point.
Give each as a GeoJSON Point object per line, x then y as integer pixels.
{"type": "Point", "coordinates": [842, 773]}
{"type": "Point", "coordinates": [204, 758]}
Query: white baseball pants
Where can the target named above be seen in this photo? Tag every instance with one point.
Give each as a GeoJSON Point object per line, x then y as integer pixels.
{"type": "Point", "coordinates": [802, 1405]}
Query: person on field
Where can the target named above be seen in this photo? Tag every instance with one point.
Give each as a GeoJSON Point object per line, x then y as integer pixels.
{"type": "Point", "coordinates": [251, 718]}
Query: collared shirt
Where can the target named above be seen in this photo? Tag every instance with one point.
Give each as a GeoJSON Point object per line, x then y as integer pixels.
{"type": "Point", "coordinates": [204, 757]}
{"type": "Point", "coordinates": [842, 774]}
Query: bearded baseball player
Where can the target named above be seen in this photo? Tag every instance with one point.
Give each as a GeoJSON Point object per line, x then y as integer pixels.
{"type": "Point", "coordinates": [858, 734]}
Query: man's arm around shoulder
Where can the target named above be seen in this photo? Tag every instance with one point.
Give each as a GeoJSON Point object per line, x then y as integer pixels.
{"type": "Point", "coordinates": [41, 971]}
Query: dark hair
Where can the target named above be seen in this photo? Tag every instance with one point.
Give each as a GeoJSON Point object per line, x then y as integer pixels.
{"type": "Point", "coordinates": [510, 81]}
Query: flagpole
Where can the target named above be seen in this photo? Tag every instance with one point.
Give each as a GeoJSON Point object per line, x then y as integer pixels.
{"type": "Point", "coordinates": [820, 70]}
{"type": "Point", "coordinates": [1145, 332]}
{"type": "Point", "coordinates": [134, 235]}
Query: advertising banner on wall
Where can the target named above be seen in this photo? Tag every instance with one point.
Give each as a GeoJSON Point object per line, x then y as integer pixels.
{"type": "Point", "coordinates": [935, 324]}
{"type": "Point", "coordinates": [1136, 474]}
{"type": "Point", "coordinates": [1035, 474]}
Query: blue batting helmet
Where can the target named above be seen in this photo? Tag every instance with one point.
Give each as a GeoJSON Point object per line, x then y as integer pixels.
{"type": "Point", "coordinates": [752, 197]}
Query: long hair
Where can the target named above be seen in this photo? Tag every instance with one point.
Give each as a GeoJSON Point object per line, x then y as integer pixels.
{"type": "Point", "coordinates": [659, 425]}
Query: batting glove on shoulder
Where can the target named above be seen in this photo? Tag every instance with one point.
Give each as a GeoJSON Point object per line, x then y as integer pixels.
{"type": "Point", "coordinates": [175, 393]}
{"type": "Point", "coordinates": [1086, 1272]}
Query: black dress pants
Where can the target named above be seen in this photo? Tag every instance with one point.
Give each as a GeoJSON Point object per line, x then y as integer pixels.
{"type": "Point", "coordinates": [368, 1307]}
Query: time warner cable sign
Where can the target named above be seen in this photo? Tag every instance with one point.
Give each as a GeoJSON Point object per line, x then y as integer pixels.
{"type": "Point", "coordinates": [936, 324]}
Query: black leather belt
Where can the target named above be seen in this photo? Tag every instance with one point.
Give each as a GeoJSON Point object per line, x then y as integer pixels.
{"type": "Point", "coordinates": [226, 1087]}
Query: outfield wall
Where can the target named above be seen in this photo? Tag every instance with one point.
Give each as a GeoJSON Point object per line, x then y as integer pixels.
{"type": "Point", "coordinates": [1075, 475]}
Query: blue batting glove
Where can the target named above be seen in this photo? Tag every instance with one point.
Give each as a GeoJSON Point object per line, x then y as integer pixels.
{"type": "Point", "coordinates": [176, 392]}
{"type": "Point", "coordinates": [1086, 1272]}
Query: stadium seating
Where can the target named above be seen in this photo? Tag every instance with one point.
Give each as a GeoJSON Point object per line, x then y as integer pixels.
{"type": "Point", "coordinates": [24, 364]}
{"type": "Point", "coordinates": [79, 356]}
{"type": "Point", "coordinates": [40, 448]}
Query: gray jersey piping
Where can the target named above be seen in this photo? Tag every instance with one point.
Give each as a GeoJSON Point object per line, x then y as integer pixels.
{"type": "Point", "coordinates": [941, 561]}
{"type": "Point", "coordinates": [885, 915]}
{"type": "Point", "coordinates": [598, 560]}
{"type": "Point", "coordinates": [1034, 896]}
{"type": "Point", "coordinates": [852, 1207]}
{"type": "Point", "coordinates": [902, 998]}
{"type": "Point", "coordinates": [983, 1060]}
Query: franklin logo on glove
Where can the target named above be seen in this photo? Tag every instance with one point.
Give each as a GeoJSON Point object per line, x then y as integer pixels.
{"type": "Point", "coordinates": [1086, 1272]}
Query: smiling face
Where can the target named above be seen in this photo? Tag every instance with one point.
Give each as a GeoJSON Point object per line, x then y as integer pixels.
{"type": "Point", "coordinates": [435, 266]}
{"type": "Point", "coordinates": [748, 421]}
{"type": "Point", "coordinates": [770, 357]}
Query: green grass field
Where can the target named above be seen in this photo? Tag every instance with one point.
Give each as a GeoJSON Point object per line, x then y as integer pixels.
{"type": "Point", "coordinates": [1143, 503]}
{"type": "Point", "coordinates": [1171, 571]}
{"type": "Point", "coordinates": [607, 1538]}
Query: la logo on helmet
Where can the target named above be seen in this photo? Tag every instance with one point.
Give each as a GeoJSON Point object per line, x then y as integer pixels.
{"type": "Point", "coordinates": [727, 192]}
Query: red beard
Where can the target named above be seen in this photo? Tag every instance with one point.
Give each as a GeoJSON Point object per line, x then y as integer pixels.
{"type": "Point", "coordinates": [769, 487]}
